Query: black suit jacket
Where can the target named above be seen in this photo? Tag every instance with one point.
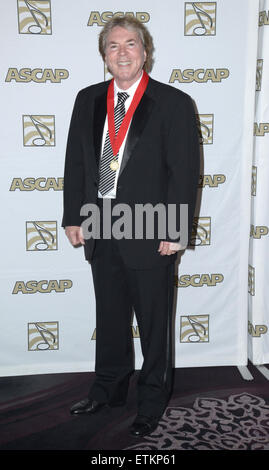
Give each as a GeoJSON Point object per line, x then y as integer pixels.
{"type": "Point", "coordinates": [160, 162]}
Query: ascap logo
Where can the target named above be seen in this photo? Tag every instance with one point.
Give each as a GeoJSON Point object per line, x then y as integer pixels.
{"type": "Point", "coordinates": [38, 130]}
{"type": "Point", "coordinates": [194, 329]}
{"type": "Point", "coordinates": [43, 336]}
{"type": "Point", "coordinates": [39, 184]}
{"type": "Point", "coordinates": [258, 231]}
{"type": "Point", "coordinates": [257, 330]}
{"type": "Point", "coordinates": [264, 18]}
{"type": "Point", "coordinates": [198, 280]}
{"type": "Point", "coordinates": [41, 236]}
{"type": "Point", "coordinates": [201, 231]}
{"type": "Point", "coordinates": [211, 181]}
{"type": "Point", "coordinates": [34, 16]}
{"type": "Point", "coordinates": [205, 128]}
{"type": "Point", "coordinates": [259, 74]}
{"type": "Point", "coordinates": [261, 129]}
{"type": "Point", "coordinates": [38, 75]}
{"type": "Point", "coordinates": [100, 19]}
{"type": "Point", "coordinates": [200, 18]}
{"type": "Point", "coordinates": [254, 181]}
{"type": "Point", "coordinates": [43, 287]}
{"type": "Point", "coordinates": [251, 280]}
{"type": "Point", "coordinates": [135, 333]}
{"type": "Point", "coordinates": [199, 75]}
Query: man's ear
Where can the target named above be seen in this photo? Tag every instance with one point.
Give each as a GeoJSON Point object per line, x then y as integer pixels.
{"type": "Point", "coordinates": [145, 56]}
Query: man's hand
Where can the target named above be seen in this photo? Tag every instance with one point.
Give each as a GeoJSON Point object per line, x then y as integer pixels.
{"type": "Point", "coordinates": [169, 248]}
{"type": "Point", "coordinates": [74, 235]}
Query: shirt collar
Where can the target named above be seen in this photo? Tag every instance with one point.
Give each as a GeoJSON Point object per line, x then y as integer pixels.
{"type": "Point", "coordinates": [131, 91]}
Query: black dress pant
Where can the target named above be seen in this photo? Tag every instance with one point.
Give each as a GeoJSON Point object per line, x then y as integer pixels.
{"type": "Point", "coordinates": [118, 290]}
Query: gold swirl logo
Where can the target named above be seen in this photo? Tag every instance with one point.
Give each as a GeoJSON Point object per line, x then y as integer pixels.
{"type": "Point", "coordinates": [41, 236]}
{"type": "Point", "coordinates": [200, 18]}
{"type": "Point", "coordinates": [38, 131]}
{"type": "Point", "coordinates": [264, 18]}
{"type": "Point", "coordinates": [194, 329]}
{"type": "Point", "coordinates": [201, 231]}
{"type": "Point", "coordinates": [254, 181]}
{"type": "Point", "coordinates": [205, 128]}
{"type": "Point", "coordinates": [251, 280]}
{"type": "Point", "coordinates": [259, 74]}
{"type": "Point", "coordinates": [43, 336]}
{"type": "Point", "coordinates": [34, 16]}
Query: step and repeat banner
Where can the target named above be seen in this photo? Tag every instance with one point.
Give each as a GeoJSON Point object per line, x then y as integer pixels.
{"type": "Point", "coordinates": [206, 49]}
{"type": "Point", "coordinates": [259, 233]}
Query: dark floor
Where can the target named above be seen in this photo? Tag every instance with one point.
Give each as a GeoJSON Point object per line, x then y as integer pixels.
{"type": "Point", "coordinates": [34, 410]}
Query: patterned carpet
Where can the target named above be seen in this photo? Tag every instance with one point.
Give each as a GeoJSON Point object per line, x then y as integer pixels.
{"type": "Point", "coordinates": [210, 409]}
{"type": "Point", "coordinates": [239, 422]}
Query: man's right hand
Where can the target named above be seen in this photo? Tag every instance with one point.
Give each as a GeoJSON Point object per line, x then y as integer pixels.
{"type": "Point", "coordinates": [74, 235]}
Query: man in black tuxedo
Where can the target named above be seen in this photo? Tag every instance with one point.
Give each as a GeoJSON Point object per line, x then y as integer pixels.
{"type": "Point", "coordinates": [132, 141]}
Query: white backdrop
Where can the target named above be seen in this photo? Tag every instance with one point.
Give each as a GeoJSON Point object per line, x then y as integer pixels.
{"type": "Point", "coordinates": [207, 49]}
{"type": "Point", "coordinates": [259, 233]}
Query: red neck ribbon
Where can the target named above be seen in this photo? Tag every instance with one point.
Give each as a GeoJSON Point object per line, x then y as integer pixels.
{"type": "Point", "coordinates": [116, 141]}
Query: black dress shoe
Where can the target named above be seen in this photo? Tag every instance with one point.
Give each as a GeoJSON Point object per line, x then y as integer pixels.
{"type": "Point", "coordinates": [144, 425]}
{"type": "Point", "coordinates": [86, 406]}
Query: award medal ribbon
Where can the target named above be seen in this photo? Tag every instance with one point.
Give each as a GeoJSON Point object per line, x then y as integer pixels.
{"type": "Point", "coordinates": [116, 140]}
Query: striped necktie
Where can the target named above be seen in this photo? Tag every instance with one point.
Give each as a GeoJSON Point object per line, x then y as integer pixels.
{"type": "Point", "coordinates": [106, 174]}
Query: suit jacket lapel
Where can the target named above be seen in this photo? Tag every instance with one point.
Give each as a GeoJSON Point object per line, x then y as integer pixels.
{"type": "Point", "coordinates": [137, 126]}
{"type": "Point", "coordinates": [98, 123]}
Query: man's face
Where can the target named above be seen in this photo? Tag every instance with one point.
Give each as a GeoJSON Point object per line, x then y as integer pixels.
{"type": "Point", "coordinates": [124, 56]}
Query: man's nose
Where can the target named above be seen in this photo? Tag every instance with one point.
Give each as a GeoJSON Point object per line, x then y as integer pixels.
{"type": "Point", "coordinates": [122, 49]}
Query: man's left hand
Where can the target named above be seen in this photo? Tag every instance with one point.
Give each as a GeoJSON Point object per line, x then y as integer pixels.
{"type": "Point", "coordinates": [168, 248]}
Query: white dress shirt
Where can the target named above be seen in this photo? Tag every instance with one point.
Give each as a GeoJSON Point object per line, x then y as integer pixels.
{"type": "Point", "coordinates": [131, 91]}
